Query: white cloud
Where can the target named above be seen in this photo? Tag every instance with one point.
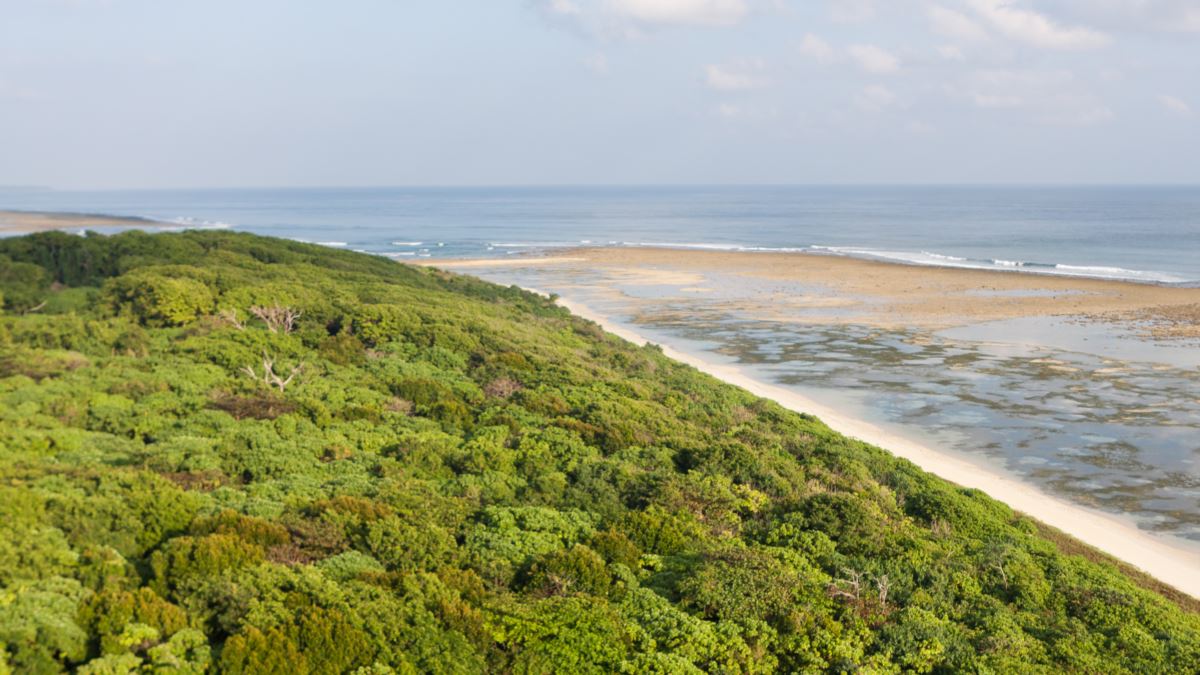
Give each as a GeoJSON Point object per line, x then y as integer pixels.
{"type": "Point", "coordinates": [1026, 25]}
{"type": "Point", "coordinates": [874, 59]}
{"type": "Point", "coordinates": [698, 12]}
{"type": "Point", "coordinates": [737, 76]}
{"type": "Point", "coordinates": [1000, 88]}
{"type": "Point", "coordinates": [874, 98]}
{"type": "Point", "coordinates": [955, 25]}
{"type": "Point", "coordinates": [1175, 105]}
{"type": "Point", "coordinates": [816, 49]}
{"type": "Point", "coordinates": [633, 18]}
{"type": "Point", "coordinates": [1055, 97]}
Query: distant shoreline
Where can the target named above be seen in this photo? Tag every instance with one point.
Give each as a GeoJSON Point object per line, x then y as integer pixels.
{"type": "Point", "coordinates": [25, 222]}
{"type": "Point", "coordinates": [1173, 565]}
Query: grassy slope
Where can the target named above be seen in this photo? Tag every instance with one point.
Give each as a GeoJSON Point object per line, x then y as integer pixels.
{"type": "Point", "coordinates": [464, 477]}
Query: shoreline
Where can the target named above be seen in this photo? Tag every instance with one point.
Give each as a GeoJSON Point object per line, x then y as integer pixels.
{"type": "Point", "coordinates": [819, 288]}
{"type": "Point", "coordinates": [13, 221]}
{"type": "Point", "coordinates": [1176, 566]}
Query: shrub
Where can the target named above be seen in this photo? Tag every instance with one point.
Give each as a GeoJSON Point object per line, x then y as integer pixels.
{"type": "Point", "coordinates": [379, 324]}
{"type": "Point", "coordinates": [158, 299]}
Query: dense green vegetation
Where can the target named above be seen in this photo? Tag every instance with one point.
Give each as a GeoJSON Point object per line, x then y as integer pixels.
{"type": "Point", "coordinates": [423, 472]}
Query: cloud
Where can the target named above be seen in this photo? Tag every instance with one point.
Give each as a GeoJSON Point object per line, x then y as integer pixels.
{"type": "Point", "coordinates": [1001, 88]}
{"type": "Point", "coordinates": [874, 59]}
{"type": "Point", "coordinates": [737, 76]}
{"type": "Point", "coordinates": [1026, 25]}
{"type": "Point", "coordinates": [699, 12]}
{"type": "Point", "coordinates": [875, 98]}
{"type": "Point", "coordinates": [816, 49]}
{"type": "Point", "coordinates": [1055, 97]}
{"type": "Point", "coordinates": [955, 25]}
{"type": "Point", "coordinates": [626, 19]}
{"type": "Point", "coordinates": [1175, 105]}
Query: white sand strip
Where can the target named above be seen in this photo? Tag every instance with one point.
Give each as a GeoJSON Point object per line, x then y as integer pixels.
{"type": "Point", "coordinates": [1174, 565]}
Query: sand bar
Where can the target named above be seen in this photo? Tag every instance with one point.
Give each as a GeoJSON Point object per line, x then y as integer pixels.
{"type": "Point", "coordinates": [896, 295]}
{"type": "Point", "coordinates": [41, 221]}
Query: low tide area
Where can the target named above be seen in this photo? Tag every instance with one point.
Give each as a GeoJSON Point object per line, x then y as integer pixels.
{"type": "Point", "coordinates": [1088, 390]}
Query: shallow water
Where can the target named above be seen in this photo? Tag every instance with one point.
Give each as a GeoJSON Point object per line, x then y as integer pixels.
{"type": "Point", "coordinates": [1081, 410]}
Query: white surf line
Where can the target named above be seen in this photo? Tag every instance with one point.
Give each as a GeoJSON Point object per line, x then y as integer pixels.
{"type": "Point", "coordinates": [1173, 565]}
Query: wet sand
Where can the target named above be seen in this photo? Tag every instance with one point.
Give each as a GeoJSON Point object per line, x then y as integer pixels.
{"type": "Point", "coordinates": [40, 221]}
{"type": "Point", "coordinates": [892, 295]}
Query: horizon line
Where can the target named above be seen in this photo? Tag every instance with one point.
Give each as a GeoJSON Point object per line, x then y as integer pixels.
{"type": "Point", "coordinates": [534, 186]}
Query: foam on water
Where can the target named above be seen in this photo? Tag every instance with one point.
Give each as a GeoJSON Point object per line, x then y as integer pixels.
{"type": "Point", "coordinates": [927, 258]}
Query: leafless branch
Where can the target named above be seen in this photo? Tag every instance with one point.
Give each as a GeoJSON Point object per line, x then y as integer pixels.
{"type": "Point", "coordinates": [230, 317]}
{"type": "Point", "coordinates": [278, 318]}
{"type": "Point", "coordinates": [269, 377]}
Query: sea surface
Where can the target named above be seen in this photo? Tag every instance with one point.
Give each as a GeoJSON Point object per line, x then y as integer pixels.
{"type": "Point", "coordinates": [1140, 233]}
{"type": "Point", "coordinates": [1106, 420]}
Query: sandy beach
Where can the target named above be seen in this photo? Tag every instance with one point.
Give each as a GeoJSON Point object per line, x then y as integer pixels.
{"type": "Point", "coordinates": [888, 294]}
{"type": "Point", "coordinates": [1177, 566]}
{"type": "Point", "coordinates": [23, 222]}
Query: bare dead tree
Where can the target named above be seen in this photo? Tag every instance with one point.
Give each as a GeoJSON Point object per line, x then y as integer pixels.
{"type": "Point", "coordinates": [850, 587]}
{"type": "Point", "coordinates": [883, 585]}
{"type": "Point", "coordinates": [279, 319]}
{"type": "Point", "coordinates": [997, 556]}
{"type": "Point", "coordinates": [230, 317]}
{"type": "Point", "coordinates": [269, 377]}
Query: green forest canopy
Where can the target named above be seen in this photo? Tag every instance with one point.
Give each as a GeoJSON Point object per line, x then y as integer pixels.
{"type": "Point", "coordinates": [222, 452]}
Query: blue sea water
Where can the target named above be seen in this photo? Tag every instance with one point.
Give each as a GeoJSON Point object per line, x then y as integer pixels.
{"type": "Point", "coordinates": [1140, 233]}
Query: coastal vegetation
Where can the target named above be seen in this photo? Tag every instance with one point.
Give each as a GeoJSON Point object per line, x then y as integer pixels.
{"type": "Point", "coordinates": [228, 453]}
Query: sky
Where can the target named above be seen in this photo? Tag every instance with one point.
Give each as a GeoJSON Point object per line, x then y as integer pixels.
{"type": "Point", "coordinates": [237, 93]}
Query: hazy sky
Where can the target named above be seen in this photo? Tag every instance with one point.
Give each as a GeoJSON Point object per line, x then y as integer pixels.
{"type": "Point", "coordinates": [155, 93]}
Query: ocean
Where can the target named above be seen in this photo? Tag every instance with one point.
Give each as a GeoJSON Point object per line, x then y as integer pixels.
{"type": "Point", "coordinates": [1147, 234]}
